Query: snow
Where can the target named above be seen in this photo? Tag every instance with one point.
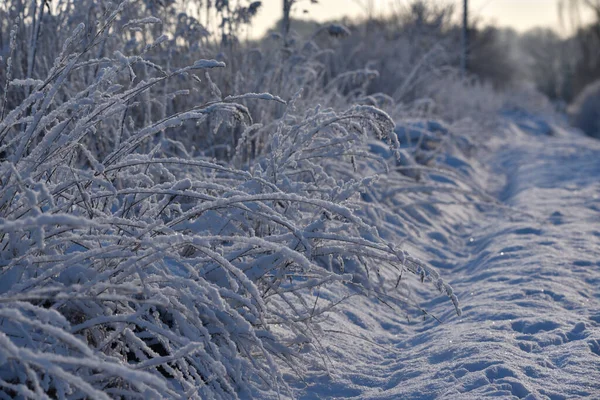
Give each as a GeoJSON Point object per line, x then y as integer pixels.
{"type": "Point", "coordinates": [157, 242]}
{"type": "Point", "coordinates": [207, 64]}
{"type": "Point", "coordinates": [527, 273]}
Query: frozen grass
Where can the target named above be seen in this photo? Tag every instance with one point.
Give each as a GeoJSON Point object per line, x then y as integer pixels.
{"type": "Point", "coordinates": [156, 241]}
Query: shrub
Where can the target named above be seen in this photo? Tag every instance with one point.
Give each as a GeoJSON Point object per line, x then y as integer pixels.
{"type": "Point", "coordinates": [132, 265]}
{"type": "Point", "coordinates": [585, 110]}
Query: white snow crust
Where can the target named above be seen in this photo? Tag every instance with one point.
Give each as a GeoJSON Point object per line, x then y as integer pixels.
{"type": "Point", "coordinates": [527, 274]}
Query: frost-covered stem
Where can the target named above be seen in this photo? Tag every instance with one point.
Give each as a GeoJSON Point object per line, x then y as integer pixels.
{"type": "Point", "coordinates": [165, 108]}
{"type": "Point", "coordinates": [9, 67]}
{"type": "Point", "coordinates": [90, 45]}
{"type": "Point", "coordinates": [33, 41]}
{"type": "Point", "coordinates": [37, 117]}
{"type": "Point", "coordinates": [404, 88]}
{"type": "Point", "coordinates": [119, 132]}
{"type": "Point", "coordinates": [101, 50]}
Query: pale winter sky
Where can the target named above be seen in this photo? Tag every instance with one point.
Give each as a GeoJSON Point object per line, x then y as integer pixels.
{"type": "Point", "coordinates": [518, 14]}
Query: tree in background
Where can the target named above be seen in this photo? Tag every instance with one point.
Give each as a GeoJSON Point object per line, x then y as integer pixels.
{"type": "Point", "coordinates": [494, 56]}
{"type": "Point", "coordinates": [585, 42]}
{"type": "Point", "coordinates": [549, 62]}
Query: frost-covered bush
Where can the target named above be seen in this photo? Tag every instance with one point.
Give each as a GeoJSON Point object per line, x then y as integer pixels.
{"type": "Point", "coordinates": [413, 45]}
{"type": "Point", "coordinates": [454, 99]}
{"type": "Point", "coordinates": [136, 263]}
{"type": "Point", "coordinates": [585, 110]}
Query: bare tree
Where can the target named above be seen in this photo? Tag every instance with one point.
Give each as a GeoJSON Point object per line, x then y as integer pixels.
{"type": "Point", "coordinates": [285, 26]}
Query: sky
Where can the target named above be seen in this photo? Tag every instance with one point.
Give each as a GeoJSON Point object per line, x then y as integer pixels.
{"type": "Point", "coordinates": [521, 15]}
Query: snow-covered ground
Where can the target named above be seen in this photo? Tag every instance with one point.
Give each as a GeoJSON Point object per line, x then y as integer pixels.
{"type": "Point", "coordinates": [527, 273]}
{"type": "Point", "coordinates": [170, 230]}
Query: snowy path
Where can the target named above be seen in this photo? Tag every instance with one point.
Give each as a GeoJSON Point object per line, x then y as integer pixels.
{"type": "Point", "coordinates": [529, 285]}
